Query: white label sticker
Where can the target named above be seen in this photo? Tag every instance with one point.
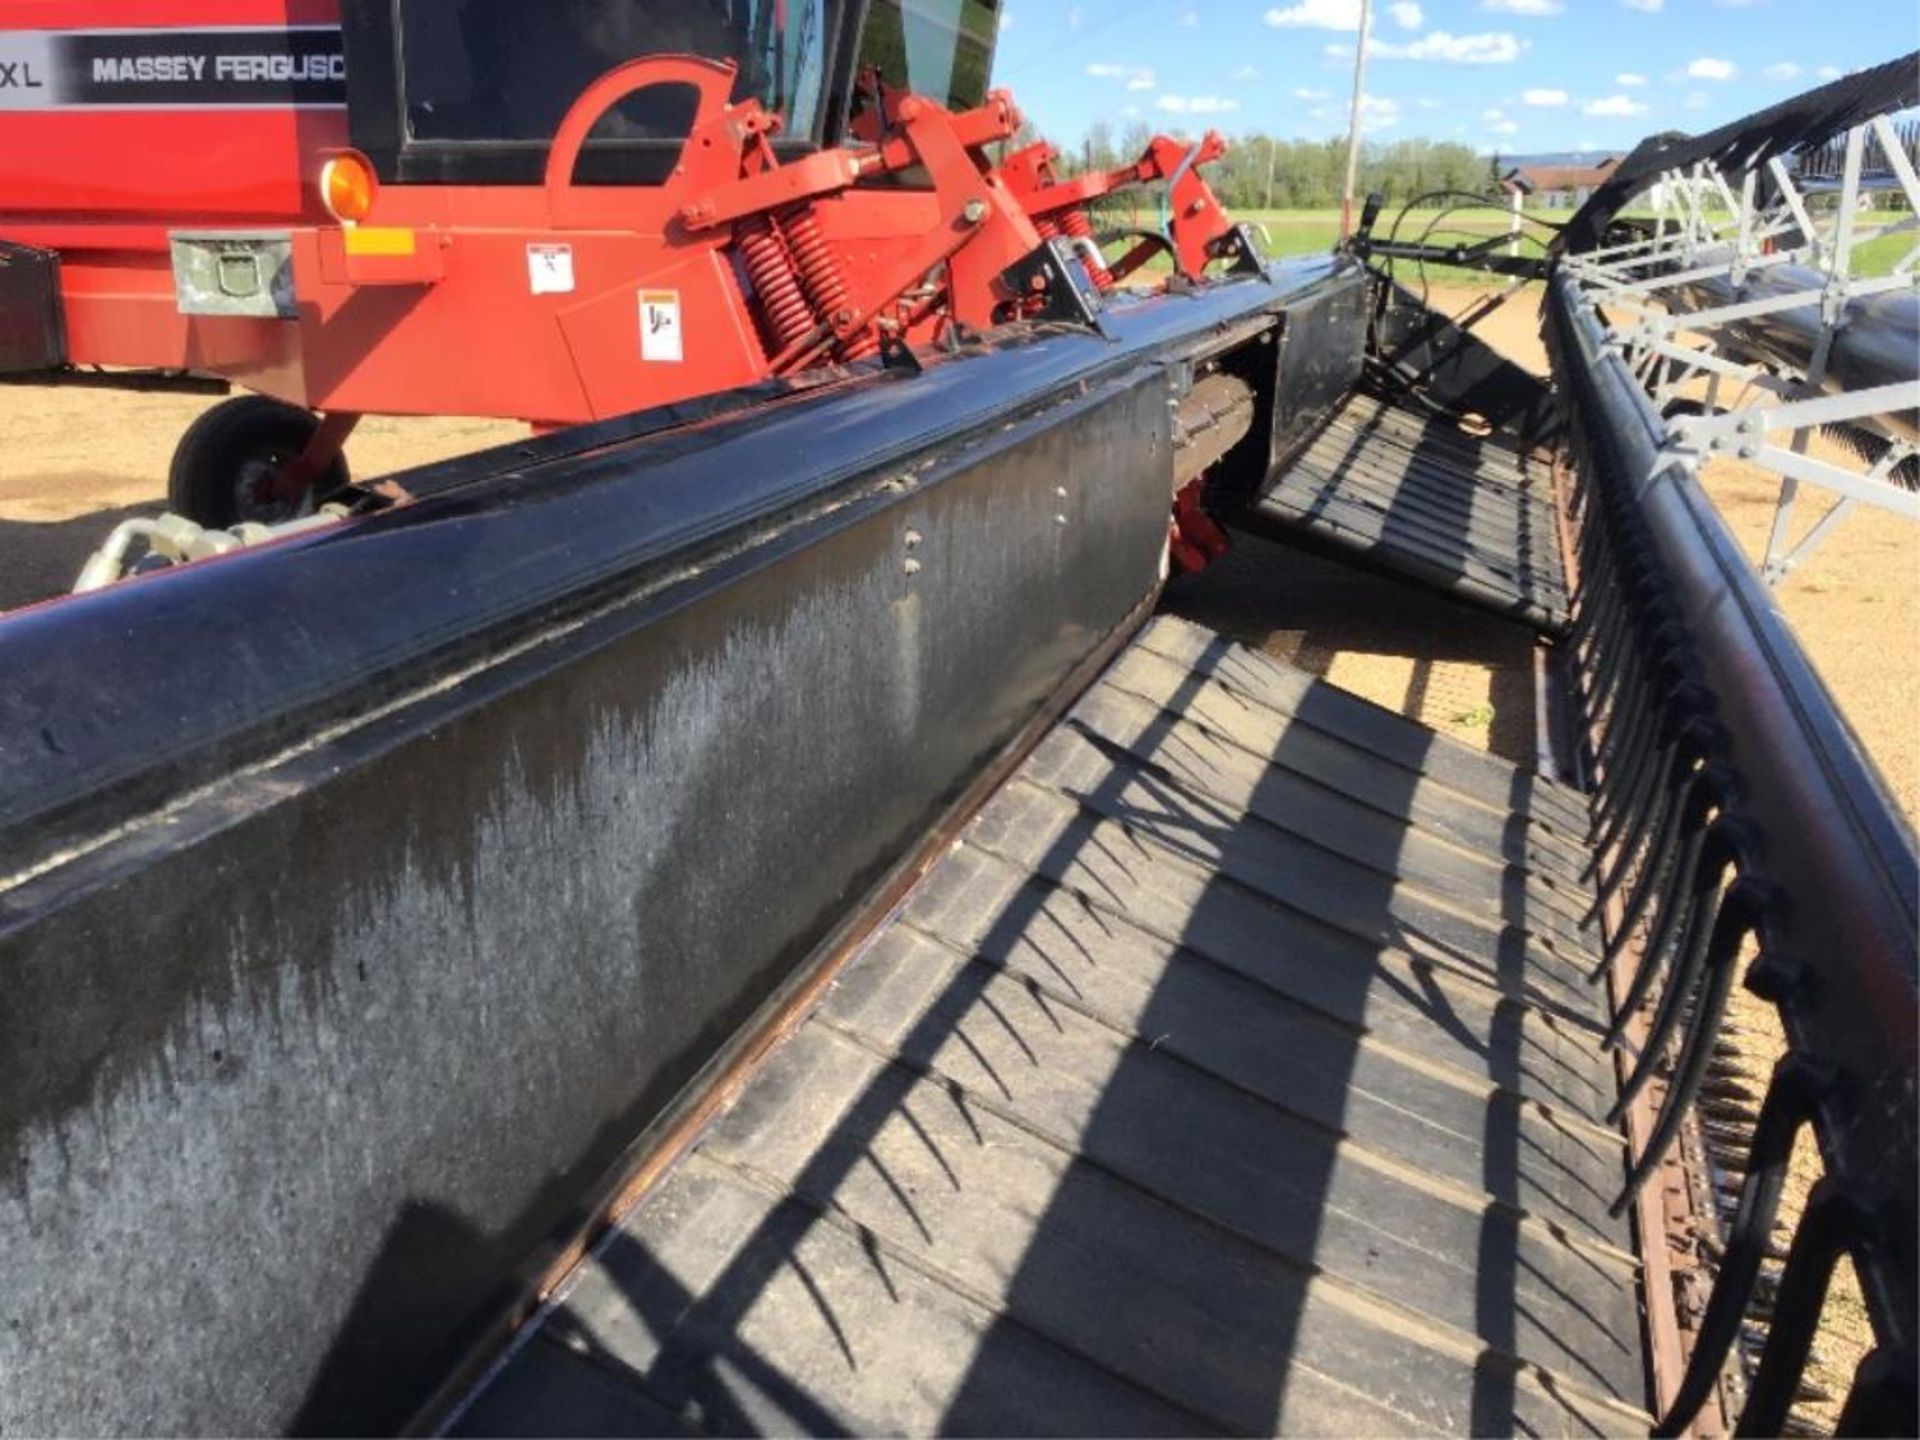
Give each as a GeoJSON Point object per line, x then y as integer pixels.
{"type": "Point", "coordinates": [29, 72]}
{"type": "Point", "coordinates": [660, 326]}
{"type": "Point", "coordinates": [550, 269]}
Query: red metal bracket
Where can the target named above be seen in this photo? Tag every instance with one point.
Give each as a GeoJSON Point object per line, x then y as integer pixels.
{"type": "Point", "coordinates": [711, 81]}
{"type": "Point", "coordinates": [1196, 220]}
{"type": "Point", "coordinates": [736, 184]}
{"type": "Point", "coordinates": [1195, 539]}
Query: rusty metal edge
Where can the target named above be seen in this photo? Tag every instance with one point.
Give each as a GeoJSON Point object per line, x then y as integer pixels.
{"type": "Point", "coordinates": [655, 1152]}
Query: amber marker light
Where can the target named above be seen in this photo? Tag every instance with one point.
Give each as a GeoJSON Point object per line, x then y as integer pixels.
{"type": "Point", "coordinates": [347, 187]}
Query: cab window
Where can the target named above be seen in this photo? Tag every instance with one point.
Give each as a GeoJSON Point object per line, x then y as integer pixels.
{"type": "Point", "coordinates": [942, 49]}
{"type": "Point", "coordinates": [508, 71]}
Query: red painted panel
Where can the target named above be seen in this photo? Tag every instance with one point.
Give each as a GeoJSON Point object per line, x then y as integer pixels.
{"type": "Point", "coordinates": [173, 166]}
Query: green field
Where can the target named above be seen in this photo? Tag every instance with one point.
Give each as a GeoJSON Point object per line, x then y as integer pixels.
{"type": "Point", "coordinates": [1310, 232]}
{"type": "Point", "coordinates": [1306, 232]}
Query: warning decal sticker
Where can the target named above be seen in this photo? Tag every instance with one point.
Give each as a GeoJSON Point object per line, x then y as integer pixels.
{"type": "Point", "coordinates": [550, 269]}
{"type": "Point", "coordinates": [660, 326]}
{"type": "Point", "coordinates": [202, 69]}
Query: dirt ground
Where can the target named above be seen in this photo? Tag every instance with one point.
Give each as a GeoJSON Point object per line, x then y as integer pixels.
{"type": "Point", "coordinates": [74, 462]}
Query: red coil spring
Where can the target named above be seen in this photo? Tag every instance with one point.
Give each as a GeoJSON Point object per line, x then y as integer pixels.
{"type": "Point", "coordinates": [1045, 226]}
{"type": "Point", "coordinates": [772, 273]}
{"type": "Point", "coordinates": [1076, 224]}
{"type": "Point", "coordinates": [820, 275]}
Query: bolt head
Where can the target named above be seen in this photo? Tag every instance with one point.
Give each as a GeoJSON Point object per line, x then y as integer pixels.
{"type": "Point", "coordinates": [975, 211]}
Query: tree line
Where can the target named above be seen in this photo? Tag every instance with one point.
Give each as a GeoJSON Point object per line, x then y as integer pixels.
{"type": "Point", "coordinates": [1263, 172]}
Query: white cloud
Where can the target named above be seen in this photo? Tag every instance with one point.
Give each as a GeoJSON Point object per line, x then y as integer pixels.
{"type": "Point", "coordinates": [1493, 114]}
{"type": "Point", "coordinates": [1075, 16]}
{"type": "Point", "coordinates": [1524, 7]}
{"type": "Point", "coordinates": [1629, 79]}
{"type": "Point", "coordinates": [1785, 70]}
{"type": "Point", "coordinates": [1377, 112]}
{"type": "Point", "coordinates": [1614, 105]}
{"type": "Point", "coordinates": [1708, 68]}
{"type": "Point", "coordinates": [1696, 100]}
{"type": "Point", "coordinates": [1493, 48]}
{"type": "Point", "coordinates": [1828, 72]}
{"type": "Point", "coordinates": [1006, 20]}
{"type": "Point", "coordinates": [1245, 73]}
{"type": "Point", "coordinates": [1427, 102]}
{"type": "Point", "coordinates": [1648, 7]}
{"type": "Point", "coordinates": [1302, 92]}
{"type": "Point", "coordinates": [1138, 77]}
{"type": "Point", "coordinates": [1543, 98]}
{"type": "Point", "coordinates": [1197, 104]}
{"type": "Point", "coordinates": [1316, 15]}
{"type": "Point", "coordinates": [1407, 15]}
{"type": "Point", "coordinates": [1189, 19]}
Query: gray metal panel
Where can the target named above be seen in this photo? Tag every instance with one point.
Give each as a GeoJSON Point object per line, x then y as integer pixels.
{"type": "Point", "coordinates": [1322, 351]}
{"type": "Point", "coordinates": [271, 1166]}
{"type": "Point", "coordinates": [1415, 494]}
{"type": "Point", "coordinates": [1232, 1073]}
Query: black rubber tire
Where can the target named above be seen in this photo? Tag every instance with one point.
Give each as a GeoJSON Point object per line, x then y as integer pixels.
{"type": "Point", "coordinates": [211, 468]}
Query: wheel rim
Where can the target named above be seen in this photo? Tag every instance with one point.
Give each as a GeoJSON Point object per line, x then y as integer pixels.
{"type": "Point", "coordinates": [253, 500]}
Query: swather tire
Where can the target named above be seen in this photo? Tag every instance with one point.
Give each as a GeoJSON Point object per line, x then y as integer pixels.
{"type": "Point", "coordinates": [228, 448]}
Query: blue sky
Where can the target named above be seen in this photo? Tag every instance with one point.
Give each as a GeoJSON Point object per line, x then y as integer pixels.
{"type": "Point", "coordinates": [1512, 75]}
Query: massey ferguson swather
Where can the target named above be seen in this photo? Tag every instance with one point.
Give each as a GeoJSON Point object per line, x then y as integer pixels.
{"type": "Point", "coordinates": [765, 912]}
{"type": "Point", "coordinates": [488, 215]}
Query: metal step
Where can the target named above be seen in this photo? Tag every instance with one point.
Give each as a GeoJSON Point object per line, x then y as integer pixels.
{"type": "Point", "coordinates": [1232, 1074]}
{"type": "Point", "coordinates": [1413, 493]}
